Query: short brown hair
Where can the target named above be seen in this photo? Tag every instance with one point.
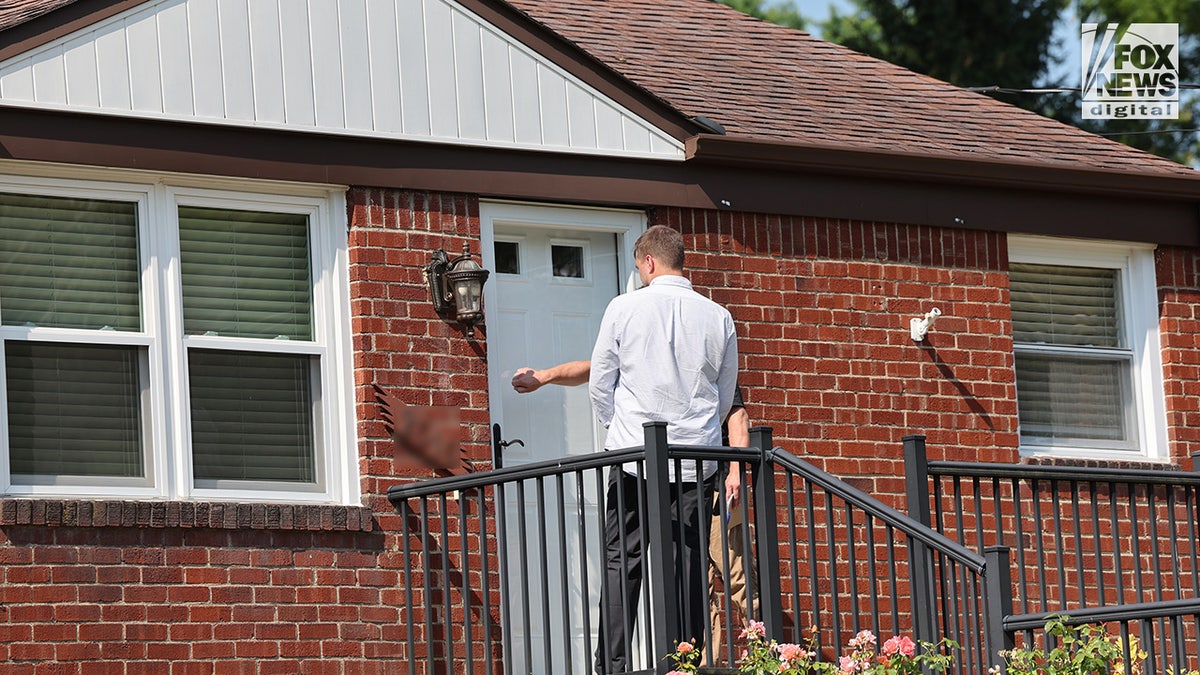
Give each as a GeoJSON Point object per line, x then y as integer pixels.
{"type": "Point", "coordinates": [663, 244]}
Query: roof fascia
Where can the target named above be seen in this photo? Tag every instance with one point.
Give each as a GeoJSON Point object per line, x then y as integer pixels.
{"type": "Point", "coordinates": [1013, 174]}
{"type": "Point", "coordinates": [59, 22]}
{"type": "Point", "coordinates": [61, 139]}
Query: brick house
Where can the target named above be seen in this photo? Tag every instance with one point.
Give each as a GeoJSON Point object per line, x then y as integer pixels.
{"type": "Point", "coordinates": [238, 199]}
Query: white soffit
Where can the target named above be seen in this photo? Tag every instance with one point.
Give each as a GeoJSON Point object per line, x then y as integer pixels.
{"type": "Point", "coordinates": [423, 70]}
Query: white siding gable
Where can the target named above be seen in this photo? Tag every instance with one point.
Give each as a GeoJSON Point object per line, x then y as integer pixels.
{"type": "Point", "coordinates": [426, 70]}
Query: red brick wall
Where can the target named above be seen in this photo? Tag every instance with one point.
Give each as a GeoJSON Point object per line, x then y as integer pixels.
{"type": "Point", "coordinates": [822, 309]}
{"type": "Point", "coordinates": [400, 343]}
{"type": "Point", "coordinates": [404, 347]}
{"type": "Point", "coordinates": [1178, 271]}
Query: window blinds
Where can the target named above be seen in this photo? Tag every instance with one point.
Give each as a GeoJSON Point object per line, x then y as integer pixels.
{"type": "Point", "coordinates": [1062, 398]}
{"type": "Point", "coordinates": [1083, 393]}
{"type": "Point", "coordinates": [68, 263]}
{"type": "Point", "coordinates": [1064, 305]}
{"type": "Point", "coordinates": [74, 409]}
{"type": "Point", "coordinates": [252, 416]}
{"type": "Point", "coordinates": [245, 273]}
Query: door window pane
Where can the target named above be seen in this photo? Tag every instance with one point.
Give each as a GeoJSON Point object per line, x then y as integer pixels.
{"type": "Point", "coordinates": [68, 263]}
{"type": "Point", "coordinates": [252, 416]}
{"type": "Point", "coordinates": [508, 257]}
{"type": "Point", "coordinates": [567, 261]}
{"type": "Point", "coordinates": [74, 409]}
{"type": "Point", "coordinates": [245, 273]}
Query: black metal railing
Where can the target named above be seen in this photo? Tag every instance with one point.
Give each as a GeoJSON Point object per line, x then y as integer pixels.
{"type": "Point", "coordinates": [1112, 545]}
{"type": "Point", "coordinates": [858, 564]}
{"type": "Point", "coordinates": [502, 570]}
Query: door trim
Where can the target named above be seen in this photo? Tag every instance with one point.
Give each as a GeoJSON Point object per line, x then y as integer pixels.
{"type": "Point", "coordinates": [626, 224]}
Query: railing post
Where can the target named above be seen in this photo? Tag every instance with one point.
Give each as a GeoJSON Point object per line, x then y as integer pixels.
{"type": "Point", "coordinates": [661, 565]}
{"type": "Point", "coordinates": [766, 529]}
{"type": "Point", "coordinates": [997, 584]}
{"type": "Point", "coordinates": [920, 566]}
{"type": "Point", "coordinates": [916, 478]}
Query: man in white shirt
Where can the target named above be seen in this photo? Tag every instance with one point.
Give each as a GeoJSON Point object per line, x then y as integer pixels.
{"type": "Point", "coordinates": [665, 353]}
{"type": "Point", "coordinates": [727, 560]}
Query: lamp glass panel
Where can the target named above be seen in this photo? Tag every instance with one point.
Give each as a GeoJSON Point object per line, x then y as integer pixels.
{"type": "Point", "coordinates": [467, 293]}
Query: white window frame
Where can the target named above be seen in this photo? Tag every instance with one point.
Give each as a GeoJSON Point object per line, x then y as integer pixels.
{"type": "Point", "coordinates": [1138, 287]}
{"type": "Point", "coordinates": [168, 441]}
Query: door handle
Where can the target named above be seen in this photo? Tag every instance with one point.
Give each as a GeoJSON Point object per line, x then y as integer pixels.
{"type": "Point", "coordinates": [498, 446]}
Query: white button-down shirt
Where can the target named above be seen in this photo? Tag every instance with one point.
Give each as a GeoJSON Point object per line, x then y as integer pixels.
{"type": "Point", "coordinates": [664, 353]}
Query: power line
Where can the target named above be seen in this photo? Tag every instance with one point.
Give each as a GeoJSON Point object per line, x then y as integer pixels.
{"type": "Point", "coordinates": [996, 89]}
{"type": "Point", "coordinates": [1143, 133]}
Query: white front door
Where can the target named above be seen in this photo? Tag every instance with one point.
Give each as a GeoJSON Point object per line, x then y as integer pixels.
{"type": "Point", "coordinates": [554, 272]}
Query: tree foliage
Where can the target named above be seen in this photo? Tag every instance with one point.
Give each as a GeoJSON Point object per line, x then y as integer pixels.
{"type": "Point", "coordinates": [971, 44]}
{"type": "Point", "coordinates": [782, 13]}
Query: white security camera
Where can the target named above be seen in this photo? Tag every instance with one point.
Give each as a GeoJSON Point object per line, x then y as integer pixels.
{"type": "Point", "coordinates": [920, 326]}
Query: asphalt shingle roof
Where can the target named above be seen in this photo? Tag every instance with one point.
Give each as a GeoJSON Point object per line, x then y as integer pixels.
{"type": "Point", "coordinates": [768, 82]}
{"type": "Point", "coordinates": [13, 12]}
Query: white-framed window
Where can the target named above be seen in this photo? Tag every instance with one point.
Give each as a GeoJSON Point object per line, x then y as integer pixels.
{"type": "Point", "coordinates": [1085, 337]}
{"type": "Point", "coordinates": [178, 339]}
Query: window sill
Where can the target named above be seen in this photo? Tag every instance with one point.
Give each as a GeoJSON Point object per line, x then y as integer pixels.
{"type": "Point", "coordinates": [210, 515]}
{"type": "Point", "coordinates": [1112, 464]}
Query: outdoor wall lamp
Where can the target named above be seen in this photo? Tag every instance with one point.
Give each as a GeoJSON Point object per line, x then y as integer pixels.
{"type": "Point", "coordinates": [457, 285]}
{"type": "Point", "coordinates": [919, 326]}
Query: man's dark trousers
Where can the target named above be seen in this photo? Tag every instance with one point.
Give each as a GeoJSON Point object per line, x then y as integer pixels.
{"type": "Point", "coordinates": [624, 530]}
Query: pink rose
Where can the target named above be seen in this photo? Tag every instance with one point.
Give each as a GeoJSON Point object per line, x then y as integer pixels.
{"type": "Point", "coordinates": [863, 640]}
{"type": "Point", "coordinates": [684, 647]}
{"type": "Point", "coordinates": [847, 664]}
{"type": "Point", "coordinates": [902, 645]}
{"type": "Point", "coordinates": [791, 652]}
{"type": "Point", "coordinates": [756, 629]}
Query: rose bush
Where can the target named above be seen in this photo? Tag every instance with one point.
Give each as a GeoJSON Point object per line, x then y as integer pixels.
{"type": "Point", "coordinates": [1086, 649]}
{"type": "Point", "coordinates": [899, 655]}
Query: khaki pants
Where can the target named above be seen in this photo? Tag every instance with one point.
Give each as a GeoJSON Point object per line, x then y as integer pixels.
{"type": "Point", "coordinates": [734, 585]}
